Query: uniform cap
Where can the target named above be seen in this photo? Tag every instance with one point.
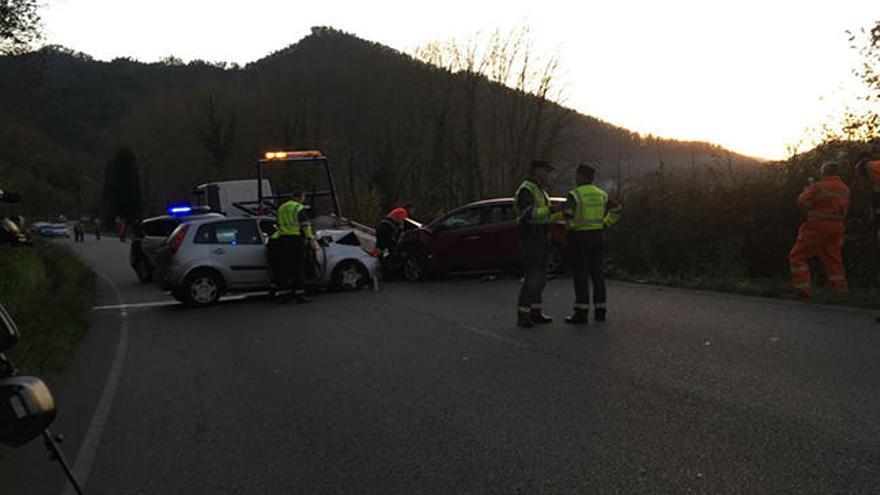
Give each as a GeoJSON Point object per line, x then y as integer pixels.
{"type": "Point", "coordinates": [830, 168]}
{"type": "Point", "coordinates": [585, 169]}
{"type": "Point", "coordinates": [542, 164]}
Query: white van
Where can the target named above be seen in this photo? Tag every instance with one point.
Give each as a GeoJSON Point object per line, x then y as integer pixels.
{"type": "Point", "coordinates": [222, 197]}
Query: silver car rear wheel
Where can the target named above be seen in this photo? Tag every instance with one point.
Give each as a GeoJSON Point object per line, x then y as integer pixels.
{"type": "Point", "coordinates": [203, 288]}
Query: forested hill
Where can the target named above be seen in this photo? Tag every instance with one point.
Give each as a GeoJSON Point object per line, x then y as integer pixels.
{"type": "Point", "coordinates": [397, 128]}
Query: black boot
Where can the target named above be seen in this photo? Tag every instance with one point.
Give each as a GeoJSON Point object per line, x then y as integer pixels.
{"type": "Point", "coordinates": [600, 314]}
{"type": "Point", "coordinates": [301, 298]}
{"type": "Point", "coordinates": [524, 319]}
{"type": "Point", "coordinates": [580, 317]}
{"type": "Point", "coordinates": [538, 316]}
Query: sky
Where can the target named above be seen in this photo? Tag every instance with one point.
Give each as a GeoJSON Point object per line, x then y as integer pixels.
{"type": "Point", "coordinates": [749, 75]}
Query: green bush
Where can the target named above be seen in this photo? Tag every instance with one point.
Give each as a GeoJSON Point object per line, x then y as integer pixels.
{"type": "Point", "coordinates": [729, 227]}
{"type": "Point", "coordinates": [48, 291]}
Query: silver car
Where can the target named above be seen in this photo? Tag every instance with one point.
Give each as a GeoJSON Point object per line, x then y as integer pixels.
{"type": "Point", "coordinates": [204, 259]}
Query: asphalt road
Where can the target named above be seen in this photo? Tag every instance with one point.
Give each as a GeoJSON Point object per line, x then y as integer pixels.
{"type": "Point", "coordinates": [430, 388]}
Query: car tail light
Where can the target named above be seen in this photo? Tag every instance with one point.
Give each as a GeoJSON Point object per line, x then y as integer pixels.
{"type": "Point", "coordinates": [177, 240]}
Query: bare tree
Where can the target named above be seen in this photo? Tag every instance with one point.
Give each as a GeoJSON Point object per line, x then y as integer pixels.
{"type": "Point", "coordinates": [217, 133]}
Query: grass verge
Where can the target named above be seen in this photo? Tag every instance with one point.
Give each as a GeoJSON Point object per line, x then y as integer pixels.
{"type": "Point", "coordinates": [49, 292]}
{"type": "Point", "coordinates": [769, 287]}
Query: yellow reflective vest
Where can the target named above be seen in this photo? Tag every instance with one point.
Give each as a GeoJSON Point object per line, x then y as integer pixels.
{"type": "Point", "coordinates": [288, 221]}
{"type": "Point", "coordinates": [591, 210]}
{"type": "Point", "coordinates": [540, 212]}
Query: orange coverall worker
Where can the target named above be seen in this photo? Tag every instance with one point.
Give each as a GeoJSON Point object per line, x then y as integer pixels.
{"type": "Point", "coordinates": [873, 168]}
{"type": "Point", "coordinates": [821, 234]}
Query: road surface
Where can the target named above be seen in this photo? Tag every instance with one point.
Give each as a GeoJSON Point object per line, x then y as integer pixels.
{"type": "Point", "coordinates": [430, 388]}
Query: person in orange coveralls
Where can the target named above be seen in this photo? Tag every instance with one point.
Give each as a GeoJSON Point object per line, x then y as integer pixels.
{"type": "Point", "coordinates": [825, 204]}
{"type": "Point", "coordinates": [868, 167]}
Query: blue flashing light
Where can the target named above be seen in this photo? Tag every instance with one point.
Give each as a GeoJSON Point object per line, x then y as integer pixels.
{"type": "Point", "coordinates": [179, 210]}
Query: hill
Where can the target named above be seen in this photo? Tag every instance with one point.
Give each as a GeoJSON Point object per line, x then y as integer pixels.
{"type": "Point", "coordinates": [397, 128]}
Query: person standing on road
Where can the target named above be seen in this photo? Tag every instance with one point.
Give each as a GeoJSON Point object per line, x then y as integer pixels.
{"type": "Point", "coordinates": [96, 223]}
{"type": "Point", "coordinates": [287, 248]}
{"type": "Point", "coordinates": [868, 167]}
{"type": "Point", "coordinates": [532, 206]}
{"type": "Point", "coordinates": [121, 228]}
{"type": "Point", "coordinates": [822, 233]}
{"type": "Point", "coordinates": [79, 231]}
{"type": "Point", "coordinates": [587, 211]}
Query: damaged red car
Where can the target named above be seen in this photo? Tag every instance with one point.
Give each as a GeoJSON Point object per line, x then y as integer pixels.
{"type": "Point", "coordinates": [481, 236]}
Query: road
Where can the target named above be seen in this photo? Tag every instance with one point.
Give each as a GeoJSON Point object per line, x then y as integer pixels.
{"type": "Point", "coordinates": [430, 388]}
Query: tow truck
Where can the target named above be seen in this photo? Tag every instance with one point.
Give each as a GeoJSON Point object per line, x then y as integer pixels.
{"type": "Point", "coordinates": [345, 258]}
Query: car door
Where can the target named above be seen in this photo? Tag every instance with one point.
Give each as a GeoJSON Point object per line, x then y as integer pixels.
{"type": "Point", "coordinates": [499, 243]}
{"type": "Point", "coordinates": [456, 237]}
{"type": "Point", "coordinates": [237, 248]}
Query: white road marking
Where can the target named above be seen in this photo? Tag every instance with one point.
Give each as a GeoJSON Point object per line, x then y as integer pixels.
{"type": "Point", "coordinates": [495, 336]}
{"type": "Point", "coordinates": [157, 304]}
{"type": "Point", "coordinates": [137, 305]}
{"type": "Point", "coordinates": [85, 458]}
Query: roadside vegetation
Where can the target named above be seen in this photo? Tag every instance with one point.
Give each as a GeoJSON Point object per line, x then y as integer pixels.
{"type": "Point", "coordinates": [49, 292]}
{"type": "Point", "coordinates": [717, 229]}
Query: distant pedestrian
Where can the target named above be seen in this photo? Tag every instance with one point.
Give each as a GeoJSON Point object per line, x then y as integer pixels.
{"type": "Point", "coordinates": [532, 206]}
{"type": "Point", "coordinates": [79, 231]}
{"type": "Point", "coordinates": [96, 224]}
{"type": "Point", "coordinates": [121, 229]}
{"type": "Point", "coordinates": [588, 210]}
{"type": "Point", "coordinates": [822, 233]}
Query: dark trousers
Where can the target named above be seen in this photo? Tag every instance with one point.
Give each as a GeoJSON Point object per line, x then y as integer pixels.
{"type": "Point", "coordinates": [588, 249]}
{"type": "Point", "coordinates": [287, 259]}
{"type": "Point", "coordinates": [535, 248]}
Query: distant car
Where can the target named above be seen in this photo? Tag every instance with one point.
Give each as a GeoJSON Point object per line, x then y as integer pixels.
{"type": "Point", "coordinates": [149, 234]}
{"type": "Point", "coordinates": [479, 236]}
{"type": "Point", "coordinates": [51, 229]}
{"type": "Point", "coordinates": [206, 258]}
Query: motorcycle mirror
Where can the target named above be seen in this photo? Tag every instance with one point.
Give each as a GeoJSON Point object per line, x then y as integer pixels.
{"type": "Point", "coordinates": [26, 409]}
{"type": "Point", "coordinates": [8, 331]}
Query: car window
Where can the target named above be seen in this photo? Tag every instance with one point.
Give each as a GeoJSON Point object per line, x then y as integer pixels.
{"type": "Point", "coordinates": [268, 227]}
{"type": "Point", "coordinates": [205, 234]}
{"type": "Point", "coordinates": [158, 228]}
{"type": "Point", "coordinates": [462, 219]}
{"type": "Point", "coordinates": [501, 213]}
{"type": "Point", "coordinates": [237, 232]}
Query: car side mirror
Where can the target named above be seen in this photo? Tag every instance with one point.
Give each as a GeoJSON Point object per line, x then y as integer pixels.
{"type": "Point", "coordinates": [325, 241]}
{"type": "Point", "coordinates": [26, 409]}
{"type": "Point", "coordinates": [8, 331]}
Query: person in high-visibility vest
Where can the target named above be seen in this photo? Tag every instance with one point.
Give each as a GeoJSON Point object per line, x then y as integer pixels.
{"type": "Point", "coordinates": [868, 166]}
{"type": "Point", "coordinates": [532, 207]}
{"type": "Point", "coordinates": [287, 248]}
{"type": "Point", "coordinates": [822, 233]}
{"type": "Point", "coordinates": [587, 211]}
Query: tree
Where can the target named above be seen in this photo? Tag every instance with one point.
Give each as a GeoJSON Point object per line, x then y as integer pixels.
{"type": "Point", "coordinates": [217, 133]}
{"type": "Point", "coordinates": [19, 25]}
{"type": "Point", "coordinates": [122, 186]}
{"type": "Point", "coordinates": [861, 121]}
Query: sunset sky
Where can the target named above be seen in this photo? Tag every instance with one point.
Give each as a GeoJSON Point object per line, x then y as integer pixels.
{"type": "Point", "coordinates": [749, 75]}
